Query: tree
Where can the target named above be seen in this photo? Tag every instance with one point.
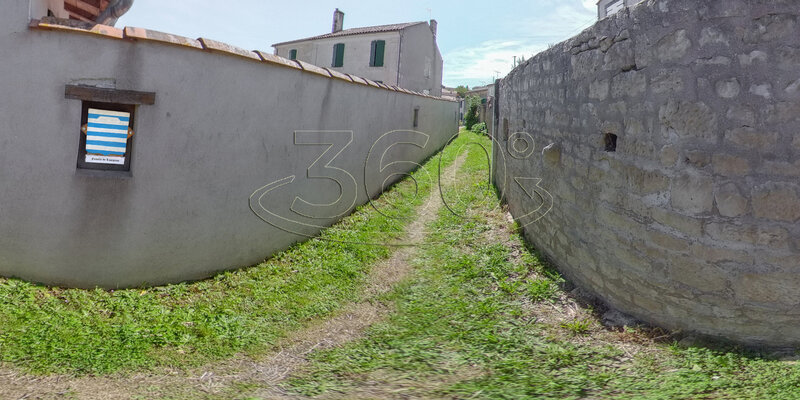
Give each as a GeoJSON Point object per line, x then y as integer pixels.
{"type": "Point", "coordinates": [462, 90]}
{"type": "Point", "coordinates": [471, 118]}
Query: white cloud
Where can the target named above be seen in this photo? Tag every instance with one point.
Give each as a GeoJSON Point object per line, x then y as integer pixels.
{"type": "Point", "coordinates": [480, 63]}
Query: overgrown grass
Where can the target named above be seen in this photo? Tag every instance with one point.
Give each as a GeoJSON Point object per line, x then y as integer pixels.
{"type": "Point", "coordinates": [46, 330]}
{"type": "Point", "coordinates": [462, 330]}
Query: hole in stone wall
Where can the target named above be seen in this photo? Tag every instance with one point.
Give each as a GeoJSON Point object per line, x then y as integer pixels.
{"type": "Point", "coordinates": [505, 128]}
{"type": "Point", "coordinates": [610, 141]}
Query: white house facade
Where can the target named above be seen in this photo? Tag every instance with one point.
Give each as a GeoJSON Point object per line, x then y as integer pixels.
{"type": "Point", "coordinates": [404, 55]}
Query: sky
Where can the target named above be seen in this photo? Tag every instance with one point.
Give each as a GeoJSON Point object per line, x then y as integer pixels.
{"type": "Point", "coordinates": [478, 39]}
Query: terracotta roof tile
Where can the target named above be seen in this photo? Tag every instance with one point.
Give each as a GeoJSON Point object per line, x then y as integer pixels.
{"type": "Point", "coordinates": [273, 59]}
{"type": "Point", "coordinates": [358, 79]}
{"type": "Point", "coordinates": [134, 34]}
{"type": "Point", "coordinates": [156, 36]}
{"type": "Point", "coordinates": [313, 68]}
{"type": "Point", "coordinates": [60, 24]}
{"type": "Point", "coordinates": [356, 31]}
{"type": "Point", "coordinates": [336, 74]}
{"type": "Point", "coordinates": [220, 47]}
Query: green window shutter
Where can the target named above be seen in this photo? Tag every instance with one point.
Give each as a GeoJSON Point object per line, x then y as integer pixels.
{"type": "Point", "coordinates": [380, 46]}
{"type": "Point", "coordinates": [338, 55]}
{"type": "Point", "coordinates": [293, 54]}
{"type": "Point", "coordinates": [372, 53]}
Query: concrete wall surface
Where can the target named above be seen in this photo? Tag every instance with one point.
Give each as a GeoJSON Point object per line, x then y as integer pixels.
{"type": "Point", "coordinates": [690, 218]}
{"type": "Point", "coordinates": [230, 130]}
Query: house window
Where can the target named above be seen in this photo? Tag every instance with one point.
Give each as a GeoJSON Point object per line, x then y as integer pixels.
{"type": "Point", "coordinates": [376, 53]}
{"type": "Point", "coordinates": [106, 138]}
{"type": "Point", "coordinates": [293, 54]}
{"type": "Point", "coordinates": [338, 55]}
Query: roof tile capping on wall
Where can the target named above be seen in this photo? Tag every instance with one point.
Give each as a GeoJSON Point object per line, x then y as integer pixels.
{"type": "Point", "coordinates": [141, 34]}
{"type": "Point", "coordinates": [668, 184]}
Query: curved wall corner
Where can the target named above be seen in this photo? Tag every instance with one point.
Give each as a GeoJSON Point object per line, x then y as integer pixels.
{"type": "Point", "coordinates": [672, 186]}
{"type": "Point", "coordinates": [225, 124]}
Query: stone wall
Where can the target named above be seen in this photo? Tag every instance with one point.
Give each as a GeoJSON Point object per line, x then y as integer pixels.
{"type": "Point", "coordinates": [241, 155]}
{"type": "Point", "coordinates": [667, 141]}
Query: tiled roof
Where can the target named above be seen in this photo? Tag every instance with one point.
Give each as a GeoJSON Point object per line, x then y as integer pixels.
{"type": "Point", "coordinates": [85, 10]}
{"type": "Point", "coordinates": [357, 31]}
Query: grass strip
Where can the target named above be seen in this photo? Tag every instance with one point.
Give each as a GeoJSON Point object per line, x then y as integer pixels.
{"type": "Point", "coordinates": [56, 330]}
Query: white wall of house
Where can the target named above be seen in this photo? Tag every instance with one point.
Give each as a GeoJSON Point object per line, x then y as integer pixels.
{"type": "Point", "coordinates": [610, 7]}
{"type": "Point", "coordinates": [356, 55]}
{"type": "Point", "coordinates": [420, 61]}
{"type": "Point", "coordinates": [411, 58]}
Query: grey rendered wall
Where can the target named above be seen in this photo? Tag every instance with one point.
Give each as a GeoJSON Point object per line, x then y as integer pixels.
{"type": "Point", "coordinates": [694, 221]}
{"type": "Point", "coordinates": [221, 128]}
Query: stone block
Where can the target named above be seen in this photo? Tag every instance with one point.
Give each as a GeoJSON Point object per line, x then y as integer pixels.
{"type": "Point", "coordinates": [730, 201]}
{"type": "Point", "coordinates": [687, 225]}
{"type": "Point", "coordinates": [692, 193]}
{"type": "Point", "coordinates": [630, 84]}
{"type": "Point", "coordinates": [764, 90]}
{"type": "Point", "coordinates": [689, 119]}
{"type": "Point", "coordinates": [698, 275]}
{"type": "Point", "coordinates": [785, 111]}
{"type": "Point", "coordinates": [716, 60]}
{"type": "Point", "coordinates": [768, 288]}
{"type": "Point", "coordinates": [669, 81]}
{"type": "Point", "coordinates": [599, 89]}
{"type": "Point", "coordinates": [760, 235]}
{"type": "Point", "coordinates": [728, 88]}
{"type": "Point", "coordinates": [712, 36]}
{"type": "Point", "coordinates": [730, 165]}
{"type": "Point", "coordinates": [674, 46]}
{"type": "Point", "coordinates": [788, 58]}
{"type": "Point", "coordinates": [741, 114]}
{"type": "Point", "coordinates": [748, 59]}
{"type": "Point", "coordinates": [751, 139]}
{"type": "Point", "coordinates": [667, 241]}
{"type": "Point", "coordinates": [777, 201]}
{"type": "Point", "coordinates": [697, 158]}
{"type": "Point", "coordinates": [668, 155]}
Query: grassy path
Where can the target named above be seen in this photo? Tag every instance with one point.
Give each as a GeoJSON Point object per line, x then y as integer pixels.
{"type": "Point", "coordinates": [484, 318]}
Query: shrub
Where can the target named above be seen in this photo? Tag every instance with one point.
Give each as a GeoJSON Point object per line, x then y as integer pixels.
{"type": "Point", "coordinates": [479, 128]}
{"type": "Point", "coordinates": [472, 116]}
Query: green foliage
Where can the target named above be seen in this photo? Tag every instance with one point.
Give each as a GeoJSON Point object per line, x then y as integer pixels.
{"type": "Point", "coordinates": [462, 90]}
{"type": "Point", "coordinates": [479, 128]}
{"type": "Point", "coordinates": [542, 290]}
{"type": "Point", "coordinates": [577, 326]}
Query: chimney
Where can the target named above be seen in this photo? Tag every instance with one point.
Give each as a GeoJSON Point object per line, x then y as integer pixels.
{"type": "Point", "coordinates": [434, 26]}
{"type": "Point", "coordinates": [338, 21]}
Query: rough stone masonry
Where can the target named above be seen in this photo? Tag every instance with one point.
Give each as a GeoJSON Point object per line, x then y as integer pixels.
{"type": "Point", "coordinates": [666, 139]}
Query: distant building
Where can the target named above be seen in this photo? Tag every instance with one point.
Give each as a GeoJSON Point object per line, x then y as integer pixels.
{"type": "Point", "coordinates": [486, 107]}
{"type": "Point", "coordinates": [404, 55]}
{"type": "Point", "coordinates": [449, 93]}
{"type": "Point", "coordinates": [610, 7]}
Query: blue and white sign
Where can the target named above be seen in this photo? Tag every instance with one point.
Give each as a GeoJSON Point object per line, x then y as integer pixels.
{"type": "Point", "coordinates": [107, 136]}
